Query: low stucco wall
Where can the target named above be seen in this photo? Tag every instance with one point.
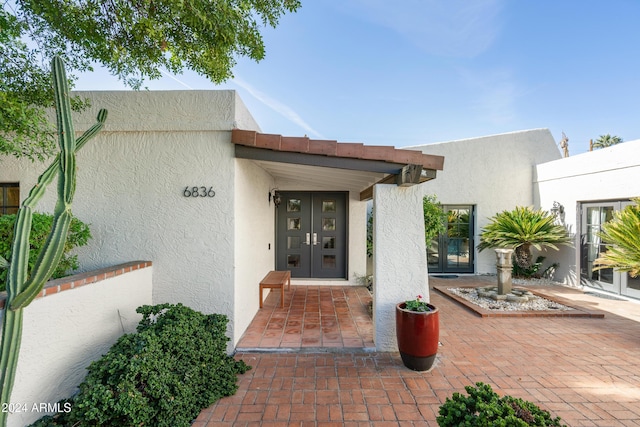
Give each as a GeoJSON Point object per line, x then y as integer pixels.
{"type": "Point", "coordinates": [601, 175]}
{"type": "Point", "coordinates": [73, 322]}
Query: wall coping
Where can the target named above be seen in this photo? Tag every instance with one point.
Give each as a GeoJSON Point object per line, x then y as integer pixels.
{"type": "Point", "coordinates": [76, 280]}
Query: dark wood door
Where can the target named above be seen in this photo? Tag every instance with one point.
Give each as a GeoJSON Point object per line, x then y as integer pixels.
{"type": "Point", "coordinates": [311, 234]}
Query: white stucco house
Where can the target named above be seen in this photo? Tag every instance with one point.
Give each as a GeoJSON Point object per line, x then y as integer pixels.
{"type": "Point", "coordinates": [491, 174]}
{"type": "Point", "coordinates": [186, 180]}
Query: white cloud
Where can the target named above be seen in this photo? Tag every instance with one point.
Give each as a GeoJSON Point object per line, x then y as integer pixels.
{"type": "Point", "coordinates": [174, 78]}
{"type": "Point", "coordinates": [455, 28]}
{"type": "Point", "coordinates": [280, 108]}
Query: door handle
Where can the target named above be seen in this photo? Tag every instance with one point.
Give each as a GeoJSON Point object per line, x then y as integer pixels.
{"type": "Point", "coordinates": [307, 241]}
{"type": "Point", "coordinates": [315, 238]}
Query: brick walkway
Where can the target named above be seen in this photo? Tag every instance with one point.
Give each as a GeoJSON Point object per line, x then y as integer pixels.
{"type": "Point", "coordinates": [312, 317]}
{"type": "Point", "coordinates": [585, 370]}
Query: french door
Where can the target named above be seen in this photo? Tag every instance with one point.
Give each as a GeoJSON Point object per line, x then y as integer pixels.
{"type": "Point", "coordinates": [311, 231]}
{"type": "Point", "coordinates": [452, 251]}
{"type": "Point", "coordinates": [593, 216]}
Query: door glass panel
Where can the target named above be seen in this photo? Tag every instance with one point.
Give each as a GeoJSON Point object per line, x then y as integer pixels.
{"type": "Point", "coordinates": [458, 253]}
{"type": "Point", "coordinates": [596, 216]}
{"type": "Point", "coordinates": [328, 261]}
{"type": "Point", "coordinates": [293, 223]}
{"type": "Point", "coordinates": [329, 242]}
{"type": "Point", "coordinates": [293, 242]}
{"type": "Point", "coordinates": [633, 282]}
{"type": "Point", "coordinates": [294, 205]}
{"type": "Point", "coordinates": [328, 206]}
{"type": "Point", "coordinates": [293, 261]}
{"type": "Point", "coordinates": [328, 224]}
{"type": "Point", "coordinates": [433, 254]}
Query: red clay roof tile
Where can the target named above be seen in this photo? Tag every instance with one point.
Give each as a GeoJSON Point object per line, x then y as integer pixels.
{"type": "Point", "coordinates": [333, 148]}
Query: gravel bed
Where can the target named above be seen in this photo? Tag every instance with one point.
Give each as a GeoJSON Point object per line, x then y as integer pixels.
{"type": "Point", "coordinates": [535, 302]}
{"type": "Point", "coordinates": [535, 282]}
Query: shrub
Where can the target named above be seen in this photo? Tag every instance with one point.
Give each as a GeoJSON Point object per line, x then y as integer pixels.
{"type": "Point", "coordinates": [163, 375]}
{"type": "Point", "coordinates": [483, 407]}
{"type": "Point", "coordinates": [79, 235]}
{"type": "Point", "coordinates": [522, 229]}
{"type": "Point", "coordinates": [534, 270]}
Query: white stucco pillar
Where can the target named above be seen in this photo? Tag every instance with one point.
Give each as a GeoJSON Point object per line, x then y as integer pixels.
{"type": "Point", "coordinates": [399, 257]}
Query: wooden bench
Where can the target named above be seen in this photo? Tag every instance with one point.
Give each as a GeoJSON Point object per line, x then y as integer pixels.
{"type": "Point", "coordinates": [276, 280]}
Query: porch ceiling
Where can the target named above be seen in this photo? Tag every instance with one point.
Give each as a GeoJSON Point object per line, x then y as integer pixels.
{"type": "Point", "coordinates": [342, 179]}
{"type": "Point", "coordinates": [349, 166]}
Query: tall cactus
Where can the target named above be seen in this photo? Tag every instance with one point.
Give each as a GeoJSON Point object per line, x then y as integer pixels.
{"type": "Point", "coordinates": [21, 290]}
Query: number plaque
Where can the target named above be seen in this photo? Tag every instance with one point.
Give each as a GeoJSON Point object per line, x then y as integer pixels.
{"type": "Point", "coordinates": [195, 191]}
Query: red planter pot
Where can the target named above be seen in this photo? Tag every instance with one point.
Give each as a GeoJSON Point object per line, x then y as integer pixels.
{"type": "Point", "coordinates": [418, 335]}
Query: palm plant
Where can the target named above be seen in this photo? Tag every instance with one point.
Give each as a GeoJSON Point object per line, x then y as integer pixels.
{"type": "Point", "coordinates": [522, 229]}
{"type": "Point", "coordinates": [607, 140]}
{"type": "Point", "coordinates": [623, 234]}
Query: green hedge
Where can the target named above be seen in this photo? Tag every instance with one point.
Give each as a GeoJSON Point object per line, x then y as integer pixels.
{"type": "Point", "coordinates": [483, 408]}
{"type": "Point", "coordinates": [163, 375]}
{"type": "Point", "coordinates": [79, 235]}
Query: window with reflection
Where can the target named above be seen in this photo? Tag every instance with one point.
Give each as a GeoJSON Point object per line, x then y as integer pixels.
{"type": "Point", "coordinates": [328, 206]}
{"type": "Point", "coordinates": [596, 217]}
{"type": "Point", "coordinates": [9, 198]}
{"type": "Point", "coordinates": [328, 261]}
{"type": "Point", "coordinates": [294, 205]}
{"type": "Point", "coordinates": [293, 242]}
{"type": "Point", "coordinates": [293, 224]}
{"type": "Point", "coordinates": [329, 242]}
{"type": "Point", "coordinates": [328, 224]}
{"type": "Point", "coordinates": [293, 261]}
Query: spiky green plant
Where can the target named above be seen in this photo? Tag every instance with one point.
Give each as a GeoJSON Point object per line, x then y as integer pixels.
{"type": "Point", "coordinates": [607, 140]}
{"type": "Point", "coordinates": [622, 233]}
{"type": "Point", "coordinates": [521, 229]}
{"type": "Point", "coordinates": [21, 287]}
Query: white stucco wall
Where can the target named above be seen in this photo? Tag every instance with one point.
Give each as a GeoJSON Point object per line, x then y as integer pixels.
{"type": "Point", "coordinates": [606, 174]}
{"type": "Point", "coordinates": [254, 240]}
{"type": "Point", "coordinates": [494, 173]}
{"type": "Point", "coordinates": [357, 238]}
{"type": "Point", "coordinates": [130, 185]}
{"type": "Point", "coordinates": [64, 332]}
{"type": "Point", "coordinates": [399, 257]}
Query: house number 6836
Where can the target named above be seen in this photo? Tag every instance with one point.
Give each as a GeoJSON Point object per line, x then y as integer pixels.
{"type": "Point", "coordinates": [198, 192]}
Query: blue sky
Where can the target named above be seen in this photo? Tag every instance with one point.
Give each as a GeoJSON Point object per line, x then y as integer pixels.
{"type": "Point", "coordinates": [414, 72]}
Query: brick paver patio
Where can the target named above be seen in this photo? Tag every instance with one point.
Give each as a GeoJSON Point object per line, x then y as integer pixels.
{"type": "Point", "coordinates": [585, 370]}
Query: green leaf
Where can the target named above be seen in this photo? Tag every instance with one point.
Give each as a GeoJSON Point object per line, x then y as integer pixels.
{"type": "Point", "coordinates": [133, 40]}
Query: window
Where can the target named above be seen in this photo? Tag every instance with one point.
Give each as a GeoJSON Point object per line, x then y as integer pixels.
{"type": "Point", "coordinates": [593, 216]}
{"type": "Point", "coordinates": [9, 198]}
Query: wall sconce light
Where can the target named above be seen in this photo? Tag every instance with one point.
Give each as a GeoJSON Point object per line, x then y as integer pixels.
{"type": "Point", "coordinates": [275, 195]}
{"type": "Point", "coordinates": [558, 211]}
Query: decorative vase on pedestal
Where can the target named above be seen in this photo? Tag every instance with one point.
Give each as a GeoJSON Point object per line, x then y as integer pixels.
{"type": "Point", "coordinates": [418, 334]}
